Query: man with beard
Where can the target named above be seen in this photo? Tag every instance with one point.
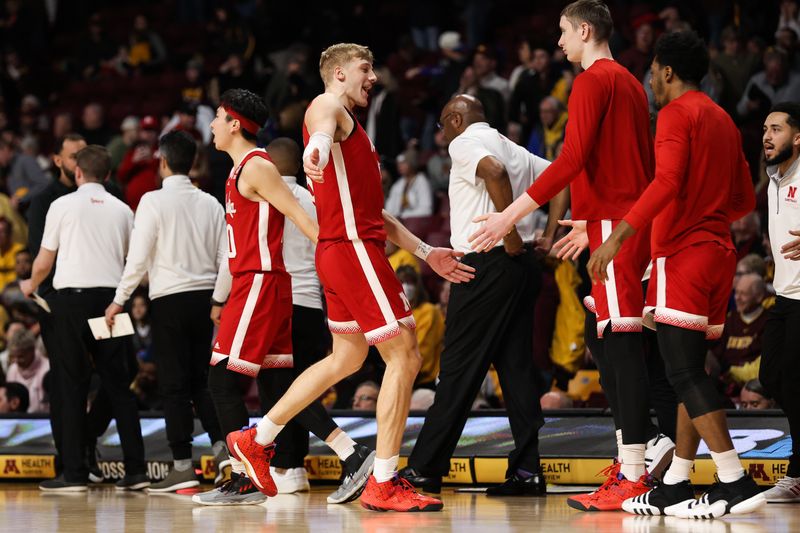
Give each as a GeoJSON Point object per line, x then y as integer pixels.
{"type": "Point", "coordinates": [702, 184]}
{"type": "Point", "coordinates": [780, 365]}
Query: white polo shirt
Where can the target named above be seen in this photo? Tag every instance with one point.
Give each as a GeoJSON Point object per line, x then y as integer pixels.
{"type": "Point", "coordinates": [178, 238]}
{"type": "Point", "coordinates": [298, 252]}
{"type": "Point", "coordinates": [90, 229]}
{"type": "Point", "coordinates": [468, 195]}
{"type": "Point", "coordinates": [784, 215]}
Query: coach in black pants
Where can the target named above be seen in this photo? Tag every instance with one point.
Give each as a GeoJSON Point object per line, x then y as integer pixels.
{"type": "Point", "coordinates": [89, 229]}
{"type": "Point", "coordinates": [179, 240]}
{"type": "Point", "coordinates": [489, 319]}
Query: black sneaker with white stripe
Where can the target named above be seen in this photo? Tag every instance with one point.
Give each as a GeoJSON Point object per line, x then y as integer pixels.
{"type": "Point", "coordinates": [739, 497]}
{"type": "Point", "coordinates": [662, 500]}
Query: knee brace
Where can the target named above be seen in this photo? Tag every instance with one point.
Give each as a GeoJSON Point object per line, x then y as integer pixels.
{"type": "Point", "coordinates": [684, 353]}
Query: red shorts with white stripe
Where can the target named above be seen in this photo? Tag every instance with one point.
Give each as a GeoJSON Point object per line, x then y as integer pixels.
{"type": "Point", "coordinates": [691, 289]}
{"type": "Point", "coordinates": [362, 291]}
{"type": "Point", "coordinates": [620, 300]}
{"type": "Point", "coordinates": [255, 329]}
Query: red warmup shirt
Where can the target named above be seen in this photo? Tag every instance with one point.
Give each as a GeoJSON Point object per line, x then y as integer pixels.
{"type": "Point", "coordinates": [608, 150]}
{"type": "Point", "coordinates": [702, 181]}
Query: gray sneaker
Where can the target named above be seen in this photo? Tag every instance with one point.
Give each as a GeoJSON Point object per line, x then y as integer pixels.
{"type": "Point", "coordinates": [356, 470]}
{"type": "Point", "coordinates": [239, 490]}
{"type": "Point", "coordinates": [176, 480]}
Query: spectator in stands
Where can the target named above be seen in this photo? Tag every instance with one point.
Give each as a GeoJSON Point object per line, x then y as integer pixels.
{"type": "Point", "coordinates": [751, 264]}
{"type": "Point", "coordinates": [13, 398]}
{"type": "Point", "coordinates": [93, 125]}
{"type": "Point", "coordinates": [399, 257]}
{"type": "Point", "coordinates": [24, 177]}
{"type": "Point", "coordinates": [97, 52]}
{"type": "Point", "coordinates": [145, 387]}
{"type": "Point", "coordinates": [535, 82]}
{"type": "Point", "coordinates": [142, 330]}
{"type": "Point", "coordinates": [146, 50]}
{"type": "Point", "coordinates": [788, 16]}
{"type": "Point", "coordinates": [438, 165]}
{"type": "Point", "coordinates": [411, 195]}
{"type": "Point", "coordinates": [739, 348]}
{"type": "Point", "coordinates": [227, 34]}
{"type": "Point", "coordinates": [28, 367]}
{"type": "Point", "coordinates": [484, 62]}
{"type": "Point", "coordinates": [422, 399]}
{"type": "Point", "coordinates": [366, 396]}
{"type": "Point", "coordinates": [637, 58]}
{"type": "Point", "coordinates": [187, 120]}
{"type": "Point", "coordinates": [747, 236]}
{"type": "Point", "coordinates": [774, 85]}
{"type": "Point", "coordinates": [494, 106]}
{"type": "Point", "coordinates": [548, 135]}
{"type": "Point", "coordinates": [23, 261]}
{"type": "Point", "coordinates": [10, 328]}
{"type": "Point", "coordinates": [8, 253]}
{"type": "Point", "coordinates": [430, 326]}
{"type": "Point", "coordinates": [555, 400]}
{"type": "Point", "coordinates": [383, 115]}
{"type": "Point", "coordinates": [230, 75]}
{"type": "Point", "coordinates": [121, 143]}
{"type": "Point", "coordinates": [787, 41]}
{"type": "Point", "coordinates": [138, 172]}
{"type": "Point", "coordinates": [753, 396]}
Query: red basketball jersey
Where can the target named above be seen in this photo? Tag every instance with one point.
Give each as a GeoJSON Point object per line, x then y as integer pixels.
{"type": "Point", "coordinates": [255, 229]}
{"type": "Point", "coordinates": [350, 200]}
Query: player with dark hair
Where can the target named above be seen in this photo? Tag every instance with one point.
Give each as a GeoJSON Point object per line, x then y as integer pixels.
{"type": "Point", "coordinates": [255, 325]}
{"type": "Point", "coordinates": [607, 160]}
{"type": "Point", "coordinates": [702, 184]}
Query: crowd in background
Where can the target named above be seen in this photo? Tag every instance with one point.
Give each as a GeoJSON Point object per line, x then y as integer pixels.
{"type": "Point", "coordinates": [121, 76]}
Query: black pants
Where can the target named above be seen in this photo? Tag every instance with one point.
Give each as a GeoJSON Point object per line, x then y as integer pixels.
{"type": "Point", "coordinates": [660, 395]}
{"type": "Point", "coordinates": [489, 321]}
{"type": "Point", "coordinates": [310, 343]}
{"type": "Point", "coordinates": [71, 371]}
{"type": "Point", "coordinates": [272, 384]}
{"type": "Point", "coordinates": [182, 331]}
{"type": "Point", "coordinates": [780, 367]}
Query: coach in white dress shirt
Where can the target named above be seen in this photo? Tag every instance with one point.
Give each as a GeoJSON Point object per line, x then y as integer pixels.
{"type": "Point", "coordinates": [179, 241]}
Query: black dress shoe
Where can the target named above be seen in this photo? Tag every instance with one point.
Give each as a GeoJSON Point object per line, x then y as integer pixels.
{"type": "Point", "coordinates": [516, 486]}
{"type": "Point", "coordinates": [424, 483]}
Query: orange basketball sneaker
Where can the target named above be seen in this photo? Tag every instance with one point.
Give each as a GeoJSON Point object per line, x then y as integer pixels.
{"type": "Point", "coordinates": [580, 501]}
{"type": "Point", "coordinates": [612, 495]}
{"type": "Point", "coordinates": [397, 494]}
{"type": "Point", "coordinates": [243, 446]}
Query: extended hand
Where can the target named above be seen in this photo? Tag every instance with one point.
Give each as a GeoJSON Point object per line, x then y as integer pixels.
{"type": "Point", "coordinates": [543, 244]}
{"type": "Point", "coordinates": [216, 313]}
{"type": "Point", "coordinates": [497, 226]}
{"type": "Point", "coordinates": [444, 262]}
{"type": "Point", "coordinates": [111, 311]}
{"type": "Point", "coordinates": [791, 250]}
{"type": "Point", "coordinates": [311, 168]}
{"type": "Point", "coordinates": [600, 259]}
{"type": "Point", "coordinates": [573, 243]}
{"type": "Point", "coordinates": [27, 288]}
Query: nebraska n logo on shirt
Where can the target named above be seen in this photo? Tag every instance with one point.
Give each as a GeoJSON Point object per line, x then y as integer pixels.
{"type": "Point", "coordinates": [791, 193]}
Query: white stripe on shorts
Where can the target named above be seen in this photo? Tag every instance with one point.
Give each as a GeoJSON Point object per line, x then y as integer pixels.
{"type": "Point", "coordinates": [247, 314]}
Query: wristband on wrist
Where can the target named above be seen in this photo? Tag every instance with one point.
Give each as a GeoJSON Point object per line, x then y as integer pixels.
{"type": "Point", "coordinates": [423, 250]}
{"type": "Point", "coordinates": [216, 303]}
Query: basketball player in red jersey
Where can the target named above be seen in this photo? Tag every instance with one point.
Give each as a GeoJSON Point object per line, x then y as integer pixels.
{"type": "Point", "coordinates": [607, 161]}
{"type": "Point", "coordinates": [365, 301]}
{"type": "Point", "coordinates": [255, 326]}
{"type": "Point", "coordinates": [702, 184]}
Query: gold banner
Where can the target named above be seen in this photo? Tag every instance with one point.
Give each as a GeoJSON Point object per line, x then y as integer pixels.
{"type": "Point", "coordinates": [27, 466]}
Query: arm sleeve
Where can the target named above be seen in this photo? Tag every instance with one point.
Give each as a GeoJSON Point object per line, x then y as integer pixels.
{"type": "Point", "coordinates": [587, 105]}
{"type": "Point", "coordinates": [222, 287]}
{"type": "Point", "coordinates": [142, 241]}
{"type": "Point", "coordinates": [672, 157]}
{"type": "Point", "coordinates": [465, 154]}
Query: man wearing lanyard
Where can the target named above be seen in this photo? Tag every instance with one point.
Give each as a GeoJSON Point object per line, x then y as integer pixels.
{"type": "Point", "coordinates": [90, 231]}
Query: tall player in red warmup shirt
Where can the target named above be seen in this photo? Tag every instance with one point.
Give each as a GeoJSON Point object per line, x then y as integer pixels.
{"type": "Point", "coordinates": [607, 161]}
{"type": "Point", "coordinates": [702, 184]}
{"type": "Point", "coordinates": [365, 301]}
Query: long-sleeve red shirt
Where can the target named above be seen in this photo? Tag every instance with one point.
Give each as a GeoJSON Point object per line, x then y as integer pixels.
{"type": "Point", "coordinates": [608, 150]}
{"type": "Point", "coordinates": [702, 181]}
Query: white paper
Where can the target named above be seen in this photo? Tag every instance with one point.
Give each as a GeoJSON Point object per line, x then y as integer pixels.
{"type": "Point", "coordinates": [122, 327]}
{"type": "Point", "coordinates": [41, 302]}
{"type": "Point", "coordinates": [99, 328]}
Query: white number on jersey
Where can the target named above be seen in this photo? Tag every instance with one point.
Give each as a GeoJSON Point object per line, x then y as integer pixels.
{"type": "Point", "coordinates": [231, 243]}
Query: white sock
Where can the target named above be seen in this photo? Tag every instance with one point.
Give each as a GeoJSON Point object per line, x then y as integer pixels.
{"type": "Point", "coordinates": [267, 430]}
{"type": "Point", "coordinates": [619, 445]}
{"type": "Point", "coordinates": [632, 456]}
{"type": "Point", "coordinates": [343, 445]}
{"type": "Point", "coordinates": [678, 471]}
{"type": "Point", "coordinates": [385, 469]}
{"type": "Point", "coordinates": [237, 466]}
{"type": "Point", "coordinates": [729, 467]}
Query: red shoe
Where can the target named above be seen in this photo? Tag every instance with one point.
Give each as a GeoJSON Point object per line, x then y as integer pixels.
{"type": "Point", "coordinates": [580, 501]}
{"type": "Point", "coordinates": [243, 446]}
{"type": "Point", "coordinates": [616, 492]}
{"type": "Point", "coordinates": [397, 494]}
